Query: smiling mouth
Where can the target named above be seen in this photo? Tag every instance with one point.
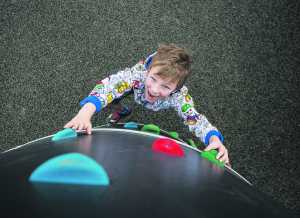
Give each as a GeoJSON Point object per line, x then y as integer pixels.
{"type": "Point", "coordinates": [151, 96]}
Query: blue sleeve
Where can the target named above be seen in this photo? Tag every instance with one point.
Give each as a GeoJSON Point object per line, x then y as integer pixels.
{"type": "Point", "coordinates": [94, 100]}
{"type": "Point", "coordinates": [213, 133]}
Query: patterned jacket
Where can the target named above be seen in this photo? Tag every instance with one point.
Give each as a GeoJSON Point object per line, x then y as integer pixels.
{"type": "Point", "coordinates": [133, 79]}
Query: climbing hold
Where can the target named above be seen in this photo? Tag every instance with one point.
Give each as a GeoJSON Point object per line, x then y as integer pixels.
{"type": "Point", "coordinates": [64, 134]}
{"type": "Point", "coordinates": [174, 134]}
{"type": "Point", "coordinates": [211, 156]}
{"type": "Point", "coordinates": [167, 146]}
{"type": "Point", "coordinates": [72, 168]}
{"type": "Point", "coordinates": [192, 143]}
{"type": "Point", "coordinates": [151, 128]}
{"type": "Point", "coordinates": [130, 125]}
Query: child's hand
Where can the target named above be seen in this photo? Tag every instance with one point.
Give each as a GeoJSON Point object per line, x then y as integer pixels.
{"type": "Point", "coordinates": [215, 143]}
{"type": "Point", "coordinates": [80, 122]}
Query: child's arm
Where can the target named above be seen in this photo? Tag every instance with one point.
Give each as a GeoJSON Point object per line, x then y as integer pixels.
{"type": "Point", "coordinates": [113, 87]}
{"type": "Point", "coordinates": [103, 94]}
{"type": "Point", "coordinates": [82, 121]}
{"type": "Point", "coordinates": [199, 125]}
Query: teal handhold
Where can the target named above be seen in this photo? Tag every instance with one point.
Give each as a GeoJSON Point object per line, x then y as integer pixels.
{"type": "Point", "coordinates": [71, 168]}
{"type": "Point", "coordinates": [64, 134]}
{"type": "Point", "coordinates": [130, 125]}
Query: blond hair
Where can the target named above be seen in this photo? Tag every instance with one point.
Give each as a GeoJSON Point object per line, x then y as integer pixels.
{"type": "Point", "coordinates": [174, 62]}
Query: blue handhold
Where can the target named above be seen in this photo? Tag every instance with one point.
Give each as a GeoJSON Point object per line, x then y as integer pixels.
{"type": "Point", "coordinates": [131, 125]}
{"type": "Point", "coordinates": [72, 168]}
{"type": "Point", "coordinates": [64, 134]}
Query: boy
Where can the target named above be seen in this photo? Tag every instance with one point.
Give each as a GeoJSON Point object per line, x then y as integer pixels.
{"type": "Point", "coordinates": [157, 84]}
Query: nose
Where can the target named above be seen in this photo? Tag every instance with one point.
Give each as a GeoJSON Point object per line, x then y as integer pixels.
{"type": "Point", "coordinates": [155, 89]}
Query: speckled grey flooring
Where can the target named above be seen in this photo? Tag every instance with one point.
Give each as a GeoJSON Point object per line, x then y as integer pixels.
{"type": "Point", "coordinates": [245, 72]}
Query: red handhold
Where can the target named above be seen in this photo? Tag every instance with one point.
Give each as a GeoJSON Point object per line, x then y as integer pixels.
{"type": "Point", "coordinates": [167, 146]}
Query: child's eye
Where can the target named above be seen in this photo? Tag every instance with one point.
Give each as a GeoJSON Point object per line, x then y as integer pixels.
{"type": "Point", "coordinates": [152, 78]}
{"type": "Point", "coordinates": [166, 87]}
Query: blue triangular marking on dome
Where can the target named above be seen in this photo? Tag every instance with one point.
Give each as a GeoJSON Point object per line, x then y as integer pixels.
{"type": "Point", "coordinates": [64, 134]}
{"type": "Point", "coordinates": [72, 168]}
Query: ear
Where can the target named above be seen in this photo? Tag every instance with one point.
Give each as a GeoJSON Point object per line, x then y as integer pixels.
{"type": "Point", "coordinates": [175, 91]}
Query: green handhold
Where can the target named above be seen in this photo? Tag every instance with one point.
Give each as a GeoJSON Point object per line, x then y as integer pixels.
{"type": "Point", "coordinates": [174, 134]}
{"type": "Point", "coordinates": [211, 156]}
{"type": "Point", "coordinates": [151, 128]}
{"type": "Point", "coordinates": [192, 143]}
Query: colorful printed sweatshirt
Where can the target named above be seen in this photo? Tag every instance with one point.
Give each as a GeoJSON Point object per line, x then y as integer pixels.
{"type": "Point", "coordinates": [133, 79]}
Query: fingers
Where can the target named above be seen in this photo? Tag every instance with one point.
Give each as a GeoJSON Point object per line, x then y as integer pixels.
{"type": "Point", "coordinates": [71, 125]}
{"type": "Point", "coordinates": [211, 147]}
{"type": "Point", "coordinates": [79, 125]}
{"type": "Point", "coordinates": [222, 152]}
{"type": "Point", "coordinates": [89, 129]}
{"type": "Point", "coordinates": [68, 125]}
{"type": "Point", "coordinates": [224, 157]}
{"type": "Point", "coordinates": [75, 126]}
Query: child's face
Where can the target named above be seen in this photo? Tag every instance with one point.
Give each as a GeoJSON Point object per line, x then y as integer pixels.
{"type": "Point", "coordinates": [157, 87]}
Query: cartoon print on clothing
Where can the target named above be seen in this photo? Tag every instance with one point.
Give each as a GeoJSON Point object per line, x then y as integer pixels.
{"type": "Point", "coordinates": [109, 98]}
{"type": "Point", "coordinates": [136, 84]}
{"type": "Point", "coordinates": [121, 87]}
{"type": "Point", "coordinates": [133, 79]}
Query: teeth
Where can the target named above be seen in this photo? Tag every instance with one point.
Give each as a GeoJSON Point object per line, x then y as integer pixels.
{"type": "Point", "coordinates": [152, 96]}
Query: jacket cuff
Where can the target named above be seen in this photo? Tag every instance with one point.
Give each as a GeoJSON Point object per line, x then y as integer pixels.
{"type": "Point", "coordinates": [94, 100]}
{"type": "Point", "coordinates": [213, 133]}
